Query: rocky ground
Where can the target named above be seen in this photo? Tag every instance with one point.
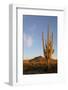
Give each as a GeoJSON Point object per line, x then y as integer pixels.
{"type": "Point", "coordinates": [38, 65]}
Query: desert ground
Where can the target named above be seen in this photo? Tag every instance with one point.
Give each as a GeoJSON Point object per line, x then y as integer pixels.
{"type": "Point", "coordinates": [38, 65]}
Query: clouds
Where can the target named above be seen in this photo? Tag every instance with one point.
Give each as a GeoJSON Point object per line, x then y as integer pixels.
{"type": "Point", "coordinates": [28, 40]}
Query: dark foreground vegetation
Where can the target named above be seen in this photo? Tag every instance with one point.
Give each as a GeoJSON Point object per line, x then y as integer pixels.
{"type": "Point", "coordinates": [38, 65]}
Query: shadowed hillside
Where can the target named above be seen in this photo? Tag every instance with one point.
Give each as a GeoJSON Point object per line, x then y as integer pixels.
{"type": "Point", "coordinates": [38, 65]}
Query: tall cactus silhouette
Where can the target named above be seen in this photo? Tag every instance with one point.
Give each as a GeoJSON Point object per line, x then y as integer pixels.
{"type": "Point", "coordinates": [48, 45]}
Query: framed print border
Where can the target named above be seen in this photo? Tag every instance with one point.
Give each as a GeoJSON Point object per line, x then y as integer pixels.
{"type": "Point", "coordinates": [15, 13]}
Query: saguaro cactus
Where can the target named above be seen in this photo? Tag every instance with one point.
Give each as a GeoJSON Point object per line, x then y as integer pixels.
{"type": "Point", "coordinates": [48, 46]}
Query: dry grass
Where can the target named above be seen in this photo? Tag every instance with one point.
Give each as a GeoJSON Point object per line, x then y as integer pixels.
{"type": "Point", "coordinates": [39, 65]}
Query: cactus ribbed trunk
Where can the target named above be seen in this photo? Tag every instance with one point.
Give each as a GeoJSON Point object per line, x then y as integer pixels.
{"type": "Point", "coordinates": [48, 48]}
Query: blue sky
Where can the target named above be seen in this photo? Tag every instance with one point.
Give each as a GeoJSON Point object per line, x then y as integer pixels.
{"type": "Point", "coordinates": [33, 27]}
